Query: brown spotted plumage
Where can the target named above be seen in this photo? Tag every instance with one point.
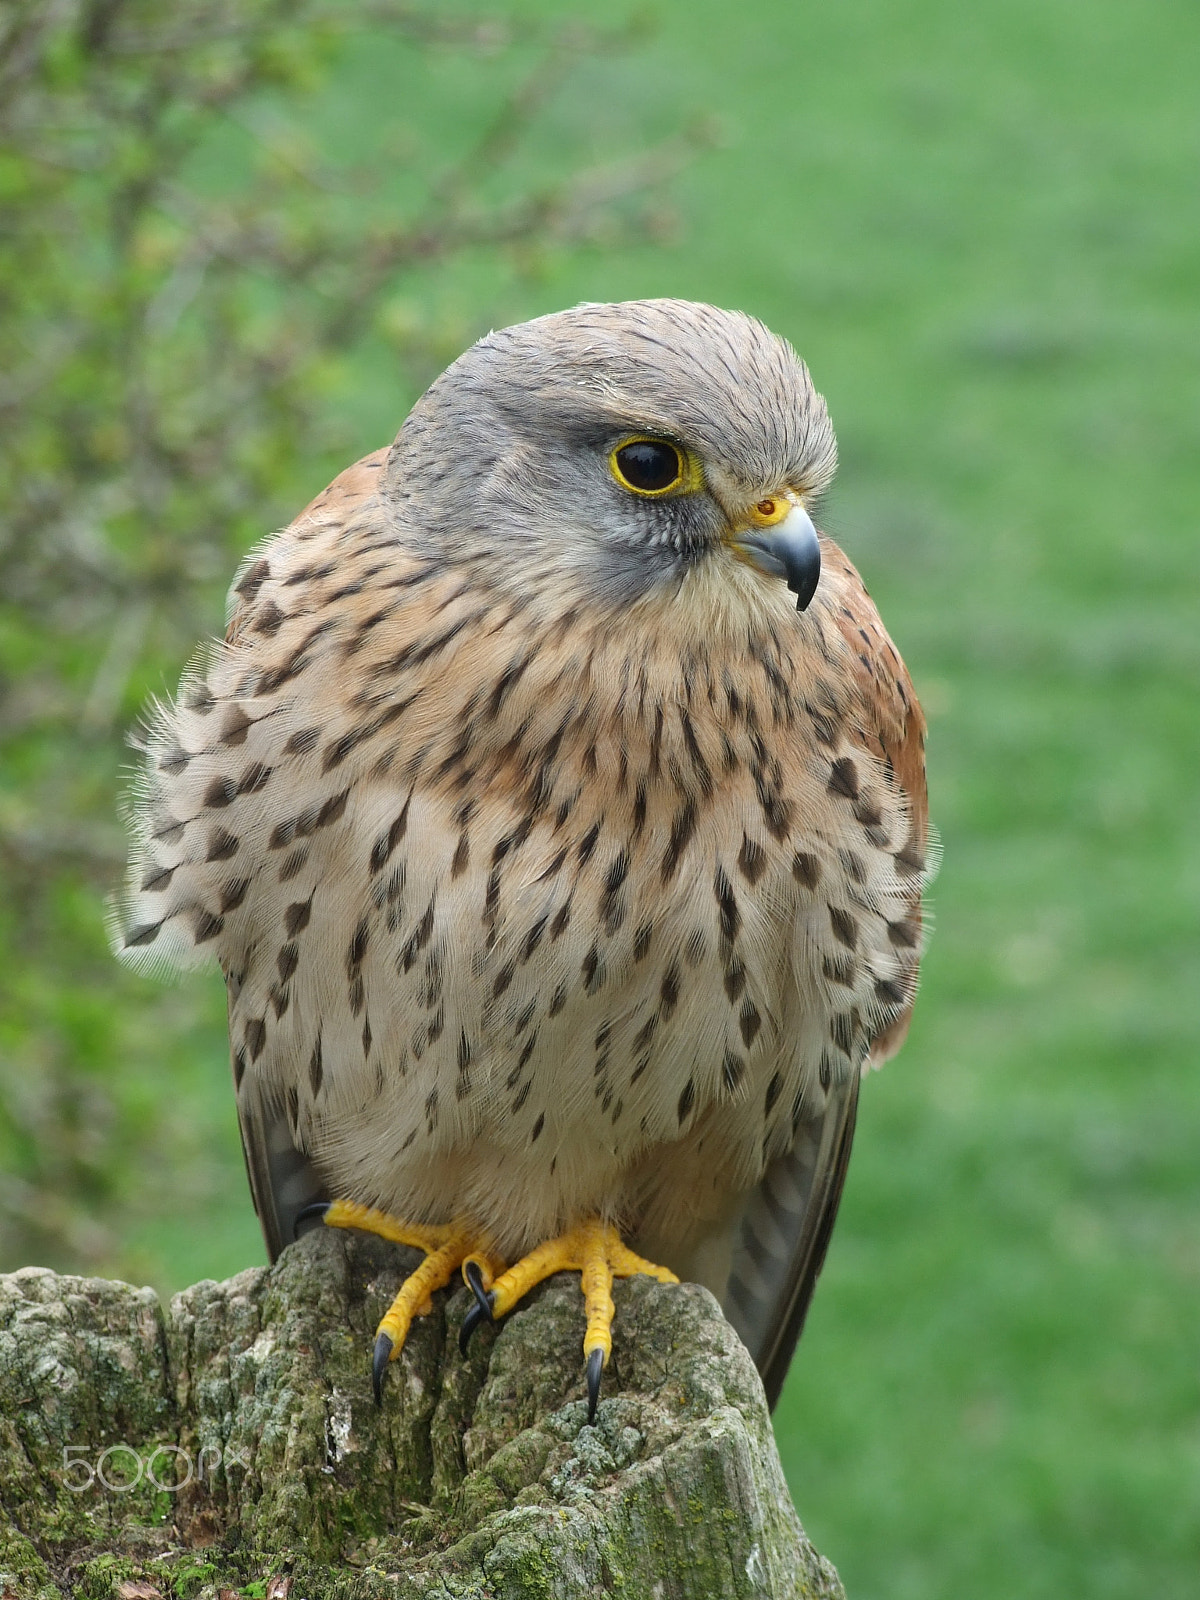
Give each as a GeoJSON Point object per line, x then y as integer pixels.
{"type": "Point", "coordinates": [558, 866]}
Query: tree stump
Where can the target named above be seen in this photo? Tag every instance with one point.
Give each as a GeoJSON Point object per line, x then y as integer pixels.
{"type": "Point", "coordinates": [232, 1444]}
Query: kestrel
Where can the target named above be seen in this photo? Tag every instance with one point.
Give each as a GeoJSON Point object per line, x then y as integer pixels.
{"type": "Point", "coordinates": [555, 806]}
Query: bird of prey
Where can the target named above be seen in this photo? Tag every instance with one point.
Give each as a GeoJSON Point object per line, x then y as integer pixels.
{"type": "Point", "coordinates": [555, 807]}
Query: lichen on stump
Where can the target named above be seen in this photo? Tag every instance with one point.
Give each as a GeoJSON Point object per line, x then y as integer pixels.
{"type": "Point", "coordinates": [233, 1443]}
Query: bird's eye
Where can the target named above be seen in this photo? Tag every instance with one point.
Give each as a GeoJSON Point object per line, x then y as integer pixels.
{"type": "Point", "coordinates": [647, 466]}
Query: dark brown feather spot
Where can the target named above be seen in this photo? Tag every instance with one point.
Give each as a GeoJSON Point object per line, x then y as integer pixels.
{"type": "Point", "coordinates": [293, 863]}
{"type": "Point", "coordinates": [358, 944]}
{"type": "Point", "coordinates": [612, 905]}
{"type": "Point", "coordinates": [593, 970]}
{"type": "Point", "coordinates": [910, 862]}
{"type": "Point", "coordinates": [682, 828]}
{"type": "Point", "coordinates": [254, 778]}
{"type": "Point", "coordinates": [386, 844]}
{"type": "Point", "coordinates": [333, 808]}
{"type": "Point", "coordinates": [843, 778]}
{"type": "Point", "coordinates": [252, 581]}
{"type": "Point", "coordinates": [749, 1022]}
{"type": "Point", "coordinates": [805, 869]}
{"type": "Point", "coordinates": [533, 938]}
{"type": "Point", "coordinates": [301, 742]}
{"type": "Point", "coordinates": [669, 991]}
{"type": "Point", "coordinates": [752, 860]}
{"type": "Point", "coordinates": [855, 867]}
{"type": "Point", "coordinates": [645, 1033]}
{"type": "Point", "coordinates": [222, 845]}
{"type": "Point", "coordinates": [462, 856]}
{"type": "Point", "coordinates": [727, 905]}
{"type": "Point", "coordinates": [839, 969]}
{"type": "Point", "coordinates": [206, 926]}
{"type": "Point", "coordinates": [220, 792]}
{"type": "Point", "coordinates": [233, 893]}
{"type": "Point", "coordinates": [503, 978]}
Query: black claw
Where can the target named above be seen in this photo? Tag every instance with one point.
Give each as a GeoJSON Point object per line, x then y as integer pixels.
{"type": "Point", "coordinates": [379, 1365]}
{"type": "Point", "coordinates": [595, 1367]}
{"type": "Point", "coordinates": [481, 1311]}
{"type": "Point", "coordinates": [306, 1213]}
{"type": "Point", "coordinates": [484, 1298]}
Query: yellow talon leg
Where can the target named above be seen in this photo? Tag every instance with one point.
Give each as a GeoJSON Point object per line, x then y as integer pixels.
{"type": "Point", "coordinates": [596, 1251]}
{"type": "Point", "coordinates": [422, 1236]}
{"type": "Point", "coordinates": [414, 1298]}
{"type": "Point", "coordinates": [447, 1247]}
{"type": "Point", "coordinates": [596, 1281]}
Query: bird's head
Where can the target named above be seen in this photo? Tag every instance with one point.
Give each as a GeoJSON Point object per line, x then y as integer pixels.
{"type": "Point", "coordinates": [624, 444]}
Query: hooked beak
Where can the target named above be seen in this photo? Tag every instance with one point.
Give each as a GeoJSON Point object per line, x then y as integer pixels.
{"type": "Point", "coordinates": [783, 543]}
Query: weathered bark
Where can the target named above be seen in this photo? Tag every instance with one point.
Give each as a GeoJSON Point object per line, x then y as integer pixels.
{"type": "Point", "coordinates": [477, 1478]}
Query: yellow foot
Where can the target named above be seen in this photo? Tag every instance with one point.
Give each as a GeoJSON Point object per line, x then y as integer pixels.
{"type": "Point", "coordinates": [595, 1250]}
{"type": "Point", "coordinates": [448, 1247]}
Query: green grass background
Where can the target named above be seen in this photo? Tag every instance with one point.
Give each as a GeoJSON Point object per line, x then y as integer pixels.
{"type": "Point", "coordinates": [981, 227]}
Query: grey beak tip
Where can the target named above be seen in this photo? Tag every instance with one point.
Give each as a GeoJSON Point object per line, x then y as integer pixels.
{"type": "Point", "coordinates": [800, 549]}
{"type": "Point", "coordinates": [805, 587]}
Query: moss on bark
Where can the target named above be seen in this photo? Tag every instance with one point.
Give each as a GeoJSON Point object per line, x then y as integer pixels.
{"type": "Point", "coordinates": [232, 1444]}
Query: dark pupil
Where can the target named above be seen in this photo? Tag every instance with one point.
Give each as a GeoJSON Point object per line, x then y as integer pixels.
{"type": "Point", "coordinates": [647, 465]}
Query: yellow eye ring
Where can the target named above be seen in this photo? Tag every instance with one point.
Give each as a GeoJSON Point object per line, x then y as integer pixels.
{"type": "Point", "coordinates": [651, 467]}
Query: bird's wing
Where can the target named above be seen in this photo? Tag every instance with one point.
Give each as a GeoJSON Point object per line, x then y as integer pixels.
{"type": "Point", "coordinates": [781, 1234]}
{"type": "Point", "coordinates": [283, 1181]}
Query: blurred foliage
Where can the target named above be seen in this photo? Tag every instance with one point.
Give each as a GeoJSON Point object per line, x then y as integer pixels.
{"type": "Point", "coordinates": [184, 276]}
